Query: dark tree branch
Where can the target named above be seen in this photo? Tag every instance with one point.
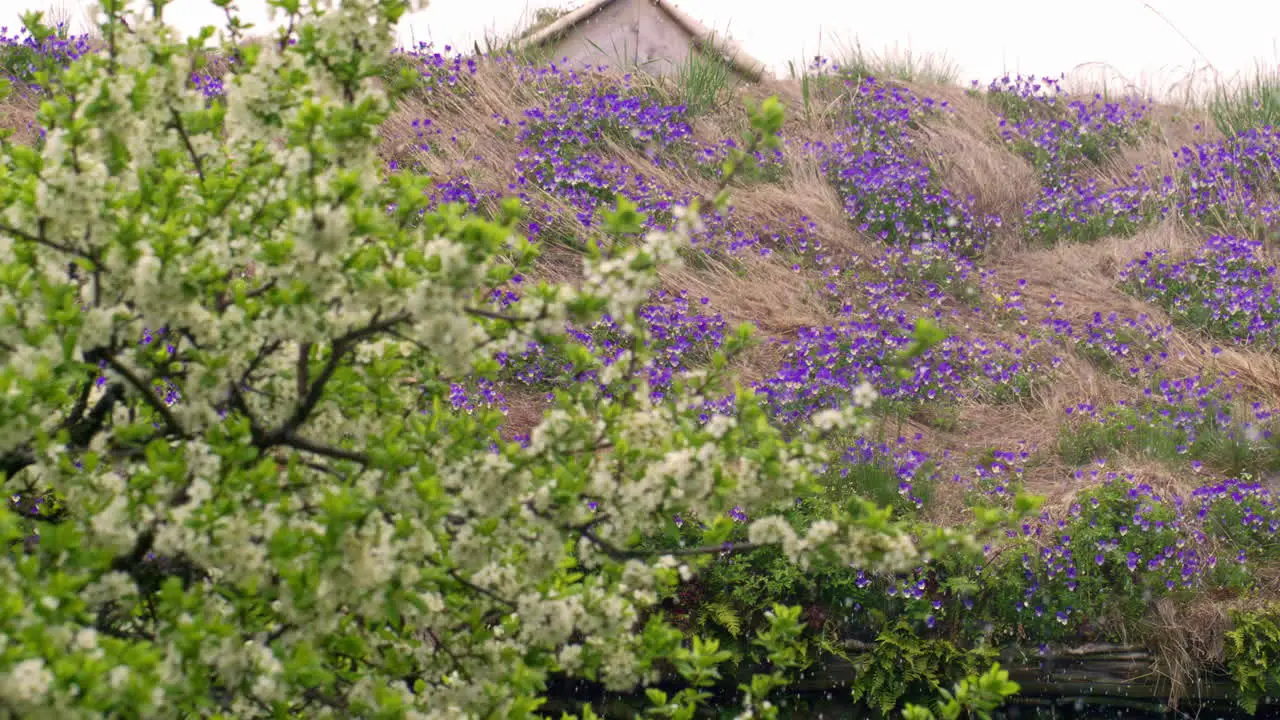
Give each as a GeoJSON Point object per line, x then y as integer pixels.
{"type": "Point", "coordinates": [186, 141]}
{"type": "Point", "coordinates": [328, 451]}
{"type": "Point", "coordinates": [302, 370]}
{"type": "Point", "coordinates": [41, 240]}
{"type": "Point", "coordinates": [149, 397]}
{"type": "Point", "coordinates": [617, 553]}
{"type": "Point", "coordinates": [453, 573]}
{"type": "Point", "coordinates": [341, 346]}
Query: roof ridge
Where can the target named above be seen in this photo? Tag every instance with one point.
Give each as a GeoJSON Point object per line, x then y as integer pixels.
{"type": "Point", "coordinates": [702, 38]}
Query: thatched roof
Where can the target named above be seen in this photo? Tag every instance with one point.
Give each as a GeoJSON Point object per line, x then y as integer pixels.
{"type": "Point", "coordinates": [698, 35]}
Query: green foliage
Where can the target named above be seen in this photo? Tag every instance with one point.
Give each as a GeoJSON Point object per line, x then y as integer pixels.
{"type": "Point", "coordinates": [1192, 297]}
{"type": "Point", "coordinates": [821, 90]}
{"type": "Point", "coordinates": [725, 616]}
{"type": "Point", "coordinates": [1053, 228]}
{"type": "Point", "coordinates": [1252, 654]}
{"type": "Point", "coordinates": [770, 170]}
{"type": "Point", "coordinates": [975, 696]}
{"type": "Point", "coordinates": [1245, 521]}
{"type": "Point", "coordinates": [702, 81]}
{"type": "Point", "coordinates": [1099, 351]}
{"type": "Point", "coordinates": [1017, 108]}
{"type": "Point", "coordinates": [880, 482]}
{"type": "Point", "coordinates": [1254, 103]}
{"type": "Point", "coordinates": [901, 664]}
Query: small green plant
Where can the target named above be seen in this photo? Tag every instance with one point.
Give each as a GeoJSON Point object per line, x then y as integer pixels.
{"type": "Point", "coordinates": [1079, 444]}
{"type": "Point", "coordinates": [821, 88]}
{"type": "Point", "coordinates": [1053, 226]}
{"type": "Point", "coordinates": [902, 664]}
{"type": "Point", "coordinates": [1018, 389]}
{"type": "Point", "coordinates": [938, 416]}
{"type": "Point", "coordinates": [1245, 518]}
{"type": "Point", "coordinates": [880, 482]}
{"type": "Point", "coordinates": [1176, 434]}
{"type": "Point", "coordinates": [1252, 654]}
{"type": "Point", "coordinates": [702, 80]}
{"type": "Point", "coordinates": [975, 696]}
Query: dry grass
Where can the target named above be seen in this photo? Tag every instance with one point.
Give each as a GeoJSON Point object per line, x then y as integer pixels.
{"type": "Point", "coordinates": [18, 114]}
{"type": "Point", "coordinates": [1171, 128]}
{"type": "Point", "coordinates": [1084, 276]}
{"type": "Point", "coordinates": [525, 407]}
{"type": "Point", "coordinates": [973, 160]}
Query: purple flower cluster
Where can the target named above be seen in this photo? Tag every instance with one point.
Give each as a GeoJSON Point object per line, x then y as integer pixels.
{"type": "Point", "coordinates": [1073, 133]}
{"type": "Point", "coordinates": [1191, 419]}
{"type": "Point", "coordinates": [1133, 348]}
{"type": "Point", "coordinates": [1216, 184]}
{"type": "Point", "coordinates": [1061, 136]}
{"type": "Point", "coordinates": [440, 71]}
{"type": "Point", "coordinates": [1133, 536]}
{"type": "Point", "coordinates": [1230, 179]}
{"type": "Point", "coordinates": [1120, 544]}
{"type": "Point", "coordinates": [23, 56]}
{"type": "Point", "coordinates": [998, 474]}
{"type": "Point", "coordinates": [1244, 511]}
{"type": "Point", "coordinates": [770, 164]}
{"type": "Point", "coordinates": [1079, 209]}
{"type": "Point", "coordinates": [887, 191]}
{"type": "Point", "coordinates": [824, 365]}
{"type": "Point", "coordinates": [1023, 96]}
{"type": "Point", "coordinates": [893, 474]}
{"type": "Point", "coordinates": [1226, 289]}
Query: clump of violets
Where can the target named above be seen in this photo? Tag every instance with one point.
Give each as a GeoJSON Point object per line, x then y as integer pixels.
{"type": "Point", "coordinates": [1129, 347]}
{"type": "Point", "coordinates": [1079, 209]}
{"type": "Point", "coordinates": [1230, 180]}
{"type": "Point", "coordinates": [769, 167]}
{"type": "Point", "coordinates": [892, 474]}
{"type": "Point", "coordinates": [1226, 289]}
{"type": "Point", "coordinates": [997, 475]}
{"type": "Point", "coordinates": [1183, 421]}
{"type": "Point", "coordinates": [889, 192]}
{"type": "Point", "coordinates": [1021, 97]}
{"type": "Point", "coordinates": [1061, 136]}
{"type": "Point", "coordinates": [1078, 133]}
{"type": "Point", "coordinates": [24, 54]}
{"type": "Point", "coordinates": [825, 365]}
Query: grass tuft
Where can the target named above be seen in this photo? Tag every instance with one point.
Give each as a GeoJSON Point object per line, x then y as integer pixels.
{"type": "Point", "coordinates": [858, 63]}
{"type": "Point", "coordinates": [703, 82]}
{"type": "Point", "coordinates": [1252, 103]}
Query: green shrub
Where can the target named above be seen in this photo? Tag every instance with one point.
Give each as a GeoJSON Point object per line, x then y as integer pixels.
{"type": "Point", "coordinates": [1252, 653]}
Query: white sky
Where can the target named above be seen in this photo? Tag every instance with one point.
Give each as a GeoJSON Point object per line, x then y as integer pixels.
{"type": "Point", "coordinates": [984, 37]}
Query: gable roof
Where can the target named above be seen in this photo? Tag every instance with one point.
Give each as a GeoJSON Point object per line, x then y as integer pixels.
{"type": "Point", "coordinates": [699, 35]}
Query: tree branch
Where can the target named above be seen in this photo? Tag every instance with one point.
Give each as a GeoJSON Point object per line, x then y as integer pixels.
{"type": "Point", "coordinates": [619, 554]}
{"type": "Point", "coordinates": [341, 347]}
{"type": "Point", "coordinates": [149, 397]}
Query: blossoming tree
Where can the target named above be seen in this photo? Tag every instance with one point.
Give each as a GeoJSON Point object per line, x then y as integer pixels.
{"type": "Point", "coordinates": [253, 515]}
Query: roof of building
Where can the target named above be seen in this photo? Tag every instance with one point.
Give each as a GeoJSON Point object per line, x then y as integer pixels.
{"type": "Point", "coordinates": [701, 37]}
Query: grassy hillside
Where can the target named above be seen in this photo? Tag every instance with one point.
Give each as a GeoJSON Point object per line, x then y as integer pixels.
{"type": "Point", "coordinates": [1104, 268]}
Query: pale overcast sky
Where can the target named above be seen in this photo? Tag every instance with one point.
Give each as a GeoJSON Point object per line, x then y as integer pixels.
{"type": "Point", "coordinates": [984, 37]}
